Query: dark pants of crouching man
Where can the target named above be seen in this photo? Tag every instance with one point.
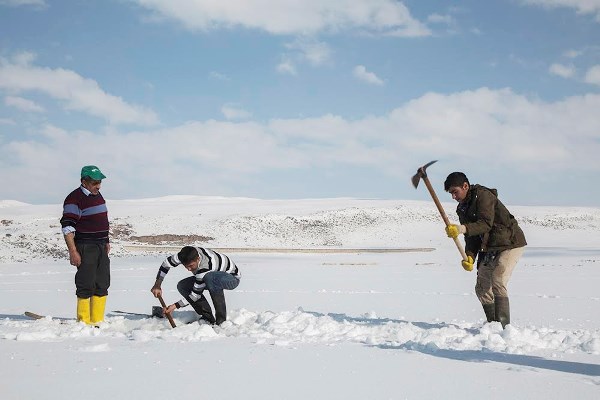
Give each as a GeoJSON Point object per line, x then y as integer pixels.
{"type": "Point", "coordinates": [216, 282]}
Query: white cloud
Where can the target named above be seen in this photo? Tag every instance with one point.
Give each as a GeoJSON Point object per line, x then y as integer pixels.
{"type": "Point", "coordinates": [573, 53]}
{"type": "Point", "coordinates": [54, 132]}
{"type": "Point", "coordinates": [444, 19]}
{"type": "Point", "coordinates": [292, 17]}
{"type": "Point", "coordinates": [315, 52]}
{"type": "Point", "coordinates": [23, 58]}
{"type": "Point", "coordinates": [219, 76]}
{"type": "Point", "coordinates": [580, 6]}
{"type": "Point", "coordinates": [7, 121]}
{"type": "Point", "coordinates": [23, 104]}
{"type": "Point", "coordinates": [286, 66]}
{"type": "Point", "coordinates": [593, 75]}
{"type": "Point", "coordinates": [564, 71]}
{"type": "Point", "coordinates": [232, 112]}
{"type": "Point", "coordinates": [74, 91]}
{"type": "Point", "coordinates": [361, 73]}
{"type": "Point", "coordinates": [304, 49]}
{"type": "Point", "coordinates": [511, 132]}
{"type": "Point", "coordinates": [19, 3]}
{"type": "Point", "coordinates": [441, 19]}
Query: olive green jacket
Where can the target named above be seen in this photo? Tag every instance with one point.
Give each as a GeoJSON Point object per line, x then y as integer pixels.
{"type": "Point", "coordinates": [490, 226]}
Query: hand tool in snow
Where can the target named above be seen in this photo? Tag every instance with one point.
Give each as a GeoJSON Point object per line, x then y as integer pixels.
{"type": "Point", "coordinates": [39, 316]}
{"type": "Point", "coordinates": [169, 317]}
{"type": "Point", "coordinates": [422, 174]}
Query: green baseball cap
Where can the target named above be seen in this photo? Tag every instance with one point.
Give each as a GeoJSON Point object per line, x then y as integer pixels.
{"type": "Point", "coordinates": [93, 172]}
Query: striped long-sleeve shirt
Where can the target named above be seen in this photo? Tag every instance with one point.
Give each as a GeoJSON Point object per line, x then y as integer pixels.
{"type": "Point", "coordinates": [210, 261]}
{"type": "Point", "coordinates": [86, 215]}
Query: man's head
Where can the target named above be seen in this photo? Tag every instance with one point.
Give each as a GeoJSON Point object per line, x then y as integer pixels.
{"type": "Point", "coordinates": [457, 184]}
{"type": "Point", "coordinates": [91, 178]}
{"type": "Point", "coordinates": [189, 257]}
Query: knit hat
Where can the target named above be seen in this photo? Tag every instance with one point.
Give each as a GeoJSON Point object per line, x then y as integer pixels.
{"type": "Point", "coordinates": [93, 172]}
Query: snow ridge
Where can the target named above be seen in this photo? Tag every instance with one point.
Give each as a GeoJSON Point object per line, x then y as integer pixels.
{"type": "Point", "coordinates": [298, 327]}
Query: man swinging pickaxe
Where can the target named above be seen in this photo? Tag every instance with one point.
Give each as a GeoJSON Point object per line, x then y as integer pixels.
{"type": "Point", "coordinates": [422, 174]}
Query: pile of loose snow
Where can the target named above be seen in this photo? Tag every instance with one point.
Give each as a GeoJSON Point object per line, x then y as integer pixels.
{"type": "Point", "coordinates": [291, 328]}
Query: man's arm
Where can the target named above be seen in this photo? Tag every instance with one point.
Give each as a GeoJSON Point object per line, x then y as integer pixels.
{"type": "Point", "coordinates": [163, 270]}
{"type": "Point", "coordinates": [74, 256]}
{"type": "Point", "coordinates": [486, 208]}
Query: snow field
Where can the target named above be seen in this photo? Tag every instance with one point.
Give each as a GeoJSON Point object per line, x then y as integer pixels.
{"type": "Point", "coordinates": [323, 326]}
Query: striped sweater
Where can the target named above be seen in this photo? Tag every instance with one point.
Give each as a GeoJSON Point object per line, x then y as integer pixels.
{"type": "Point", "coordinates": [210, 261]}
{"type": "Point", "coordinates": [86, 215]}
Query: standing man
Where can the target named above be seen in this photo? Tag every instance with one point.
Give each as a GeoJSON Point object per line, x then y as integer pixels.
{"type": "Point", "coordinates": [85, 228]}
{"type": "Point", "coordinates": [493, 236]}
{"type": "Point", "coordinates": [211, 270]}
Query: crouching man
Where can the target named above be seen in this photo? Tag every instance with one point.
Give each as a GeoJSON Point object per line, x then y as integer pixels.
{"type": "Point", "coordinates": [211, 271]}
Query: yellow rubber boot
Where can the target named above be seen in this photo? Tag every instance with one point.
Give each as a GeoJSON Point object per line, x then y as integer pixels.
{"type": "Point", "coordinates": [83, 310]}
{"type": "Point", "coordinates": [98, 305]}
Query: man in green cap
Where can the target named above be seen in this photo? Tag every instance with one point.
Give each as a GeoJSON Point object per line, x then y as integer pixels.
{"type": "Point", "coordinates": [85, 228]}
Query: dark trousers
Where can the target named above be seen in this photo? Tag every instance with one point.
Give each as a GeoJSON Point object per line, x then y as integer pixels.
{"type": "Point", "coordinates": [215, 282]}
{"type": "Point", "coordinates": [93, 274]}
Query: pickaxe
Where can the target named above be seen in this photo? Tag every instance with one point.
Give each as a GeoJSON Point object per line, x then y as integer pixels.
{"type": "Point", "coordinates": [422, 174]}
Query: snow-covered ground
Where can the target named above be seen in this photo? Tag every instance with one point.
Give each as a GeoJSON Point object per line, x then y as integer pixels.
{"type": "Point", "coordinates": [352, 325]}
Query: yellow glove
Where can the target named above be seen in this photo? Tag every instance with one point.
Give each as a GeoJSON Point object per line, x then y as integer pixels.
{"type": "Point", "coordinates": [454, 230]}
{"type": "Point", "coordinates": [468, 263]}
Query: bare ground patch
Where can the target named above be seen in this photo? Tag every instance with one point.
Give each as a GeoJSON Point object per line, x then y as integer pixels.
{"type": "Point", "coordinates": [171, 239]}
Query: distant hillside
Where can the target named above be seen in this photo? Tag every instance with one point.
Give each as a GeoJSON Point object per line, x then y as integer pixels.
{"type": "Point", "coordinates": [33, 231]}
{"type": "Point", "coordinates": [11, 203]}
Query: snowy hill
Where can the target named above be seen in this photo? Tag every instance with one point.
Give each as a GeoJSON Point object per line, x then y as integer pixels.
{"type": "Point", "coordinates": [33, 231]}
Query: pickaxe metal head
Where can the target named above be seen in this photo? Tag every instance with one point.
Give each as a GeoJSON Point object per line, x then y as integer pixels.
{"type": "Point", "coordinates": [421, 173]}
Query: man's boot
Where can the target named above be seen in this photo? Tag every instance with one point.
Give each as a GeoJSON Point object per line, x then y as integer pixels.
{"type": "Point", "coordinates": [218, 298]}
{"type": "Point", "coordinates": [503, 310]}
{"type": "Point", "coordinates": [203, 309]}
{"type": "Point", "coordinates": [83, 310]}
{"type": "Point", "coordinates": [490, 312]}
{"type": "Point", "coordinates": [98, 303]}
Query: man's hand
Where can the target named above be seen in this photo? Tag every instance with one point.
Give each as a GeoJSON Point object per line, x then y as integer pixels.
{"type": "Point", "coordinates": [107, 248]}
{"type": "Point", "coordinates": [468, 263]}
{"type": "Point", "coordinates": [454, 230]}
{"type": "Point", "coordinates": [75, 258]}
{"type": "Point", "coordinates": [170, 309]}
{"type": "Point", "coordinates": [156, 290]}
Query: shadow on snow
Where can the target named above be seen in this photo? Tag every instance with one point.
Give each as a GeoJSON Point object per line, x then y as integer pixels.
{"type": "Point", "coordinates": [468, 355]}
{"type": "Point", "coordinates": [516, 359]}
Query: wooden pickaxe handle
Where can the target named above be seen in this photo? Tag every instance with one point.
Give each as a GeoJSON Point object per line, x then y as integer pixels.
{"type": "Point", "coordinates": [443, 214]}
{"type": "Point", "coordinates": [162, 303]}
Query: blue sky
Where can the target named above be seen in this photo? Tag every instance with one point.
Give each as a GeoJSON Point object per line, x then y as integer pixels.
{"type": "Point", "coordinates": [300, 99]}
